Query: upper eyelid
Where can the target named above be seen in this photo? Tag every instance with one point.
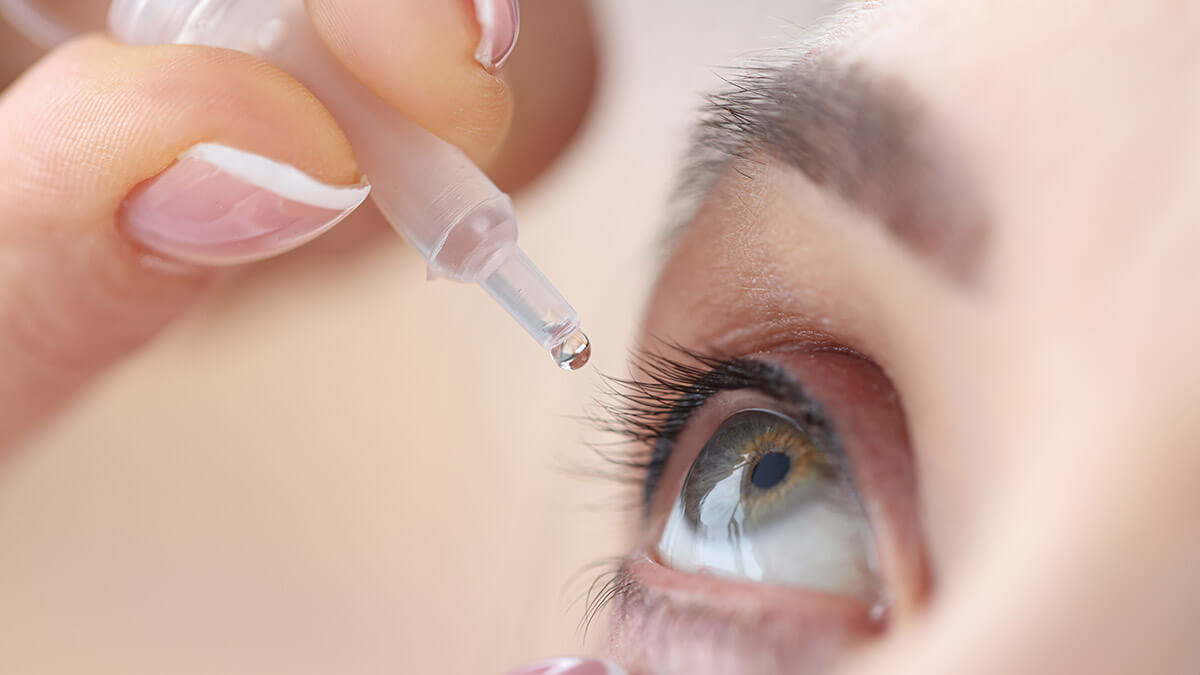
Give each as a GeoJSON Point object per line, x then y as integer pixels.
{"type": "Point", "coordinates": [654, 406]}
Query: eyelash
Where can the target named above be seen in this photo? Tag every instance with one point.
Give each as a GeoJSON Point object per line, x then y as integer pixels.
{"type": "Point", "coordinates": [651, 408]}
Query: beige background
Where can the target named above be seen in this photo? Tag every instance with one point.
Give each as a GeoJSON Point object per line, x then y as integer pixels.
{"type": "Point", "coordinates": [333, 467]}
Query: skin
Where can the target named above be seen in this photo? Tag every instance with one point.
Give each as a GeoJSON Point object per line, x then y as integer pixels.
{"type": "Point", "coordinates": [1049, 400]}
{"type": "Point", "coordinates": [1049, 404]}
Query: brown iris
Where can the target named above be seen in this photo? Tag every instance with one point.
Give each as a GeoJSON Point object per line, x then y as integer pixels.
{"type": "Point", "coordinates": [753, 469]}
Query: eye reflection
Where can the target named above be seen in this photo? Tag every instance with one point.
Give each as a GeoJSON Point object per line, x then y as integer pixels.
{"type": "Point", "coordinates": [767, 500]}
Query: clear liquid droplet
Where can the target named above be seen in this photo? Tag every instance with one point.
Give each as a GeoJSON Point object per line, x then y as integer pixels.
{"type": "Point", "coordinates": [573, 353]}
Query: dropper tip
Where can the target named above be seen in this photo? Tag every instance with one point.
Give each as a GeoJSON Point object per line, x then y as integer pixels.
{"type": "Point", "coordinates": [574, 352]}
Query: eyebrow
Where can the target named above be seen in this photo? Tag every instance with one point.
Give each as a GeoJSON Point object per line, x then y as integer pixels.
{"type": "Point", "coordinates": [849, 130]}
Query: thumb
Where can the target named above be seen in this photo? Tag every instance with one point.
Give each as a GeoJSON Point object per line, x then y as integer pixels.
{"type": "Point", "coordinates": [126, 175]}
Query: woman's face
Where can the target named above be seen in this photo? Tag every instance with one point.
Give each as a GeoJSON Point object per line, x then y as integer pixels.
{"type": "Point", "coordinates": [947, 252]}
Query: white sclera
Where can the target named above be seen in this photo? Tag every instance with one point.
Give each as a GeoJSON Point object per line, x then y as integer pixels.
{"type": "Point", "coordinates": [824, 543]}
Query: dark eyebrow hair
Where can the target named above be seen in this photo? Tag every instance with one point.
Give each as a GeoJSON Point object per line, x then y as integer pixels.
{"type": "Point", "coordinates": [853, 132]}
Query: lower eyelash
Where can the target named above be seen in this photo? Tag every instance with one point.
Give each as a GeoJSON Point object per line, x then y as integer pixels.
{"type": "Point", "coordinates": [609, 585]}
{"type": "Point", "coordinates": [659, 627]}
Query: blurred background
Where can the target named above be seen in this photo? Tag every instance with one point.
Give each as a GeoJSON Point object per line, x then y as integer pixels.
{"type": "Point", "coordinates": [332, 466]}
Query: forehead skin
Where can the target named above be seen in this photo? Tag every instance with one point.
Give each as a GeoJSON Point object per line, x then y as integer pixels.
{"type": "Point", "coordinates": [1052, 409]}
{"type": "Point", "coordinates": [1080, 117]}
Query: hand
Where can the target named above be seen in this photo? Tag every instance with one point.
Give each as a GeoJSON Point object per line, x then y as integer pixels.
{"type": "Point", "coordinates": [105, 236]}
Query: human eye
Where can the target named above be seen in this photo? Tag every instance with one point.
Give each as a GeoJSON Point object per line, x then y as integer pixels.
{"type": "Point", "coordinates": [786, 470]}
{"type": "Point", "coordinates": [771, 498]}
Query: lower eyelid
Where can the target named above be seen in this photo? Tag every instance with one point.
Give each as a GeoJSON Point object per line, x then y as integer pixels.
{"type": "Point", "coordinates": [663, 618]}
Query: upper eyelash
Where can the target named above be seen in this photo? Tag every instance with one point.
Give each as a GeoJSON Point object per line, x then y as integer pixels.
{"type": "Point", "coordinates": [652, 407]}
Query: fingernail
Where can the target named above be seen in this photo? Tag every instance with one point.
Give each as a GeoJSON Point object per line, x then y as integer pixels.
{"type": "Point", "coordinates": [499, 24]}
{"type": "Point", "coordinates": [570, 666]}
{"type": "Point", "coordinates": [221, 206]}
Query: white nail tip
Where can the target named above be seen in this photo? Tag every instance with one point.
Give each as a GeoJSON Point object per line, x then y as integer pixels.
{"type": "Point", "coordinates": [281, 179]}
{"type": "Point", "coordinates": [569, 665]}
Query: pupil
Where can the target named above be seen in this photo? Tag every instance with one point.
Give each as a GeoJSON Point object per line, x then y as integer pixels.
{"type": "Point", "coordinates": [770, 470]}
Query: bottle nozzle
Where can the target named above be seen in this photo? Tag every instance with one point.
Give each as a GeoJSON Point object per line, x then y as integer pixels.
{"type": "Point", "coordinates": [525, 293]}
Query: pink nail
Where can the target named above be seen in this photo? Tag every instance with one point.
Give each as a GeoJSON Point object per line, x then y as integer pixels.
{"type": "Point", "coordinates": [222, 206]}
{"type": "Point", "coordinates": [499, 24]}
{"type": "Point", "coordinates": [571, 666]}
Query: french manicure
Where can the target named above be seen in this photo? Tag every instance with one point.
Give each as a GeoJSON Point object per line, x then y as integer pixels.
{"type": "Point", "coordinates": [218, 205]}
{"type": "Point", "coordinates": [499, 24]}
{"type": "Point", "coordinates": [570, 666]}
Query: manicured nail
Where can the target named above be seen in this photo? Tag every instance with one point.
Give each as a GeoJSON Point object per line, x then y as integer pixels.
{"type": "Point", "coordinates": [570, 666]}
{"type": "Point", "coordinates": [221, 206]}
{"type": "Point", "coordinates": [499, 24]}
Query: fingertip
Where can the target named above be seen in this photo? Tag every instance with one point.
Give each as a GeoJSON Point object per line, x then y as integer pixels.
{"type": "Point", "coordinates": [481, 127]}
{"type": "Point", "coordinates": [554, 78]}
{"type": "Point", "coordinates": [140, 108]}
{"type": "Point", "coordinates": [421, 57]}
